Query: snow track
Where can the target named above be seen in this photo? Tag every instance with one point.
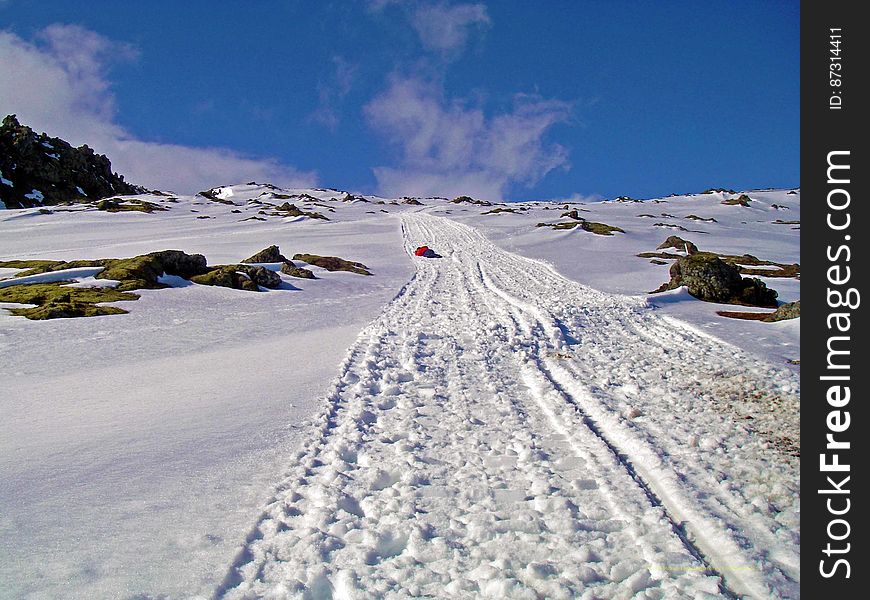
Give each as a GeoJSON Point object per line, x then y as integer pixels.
{"type": "Point", "coordinates": [500, 431]}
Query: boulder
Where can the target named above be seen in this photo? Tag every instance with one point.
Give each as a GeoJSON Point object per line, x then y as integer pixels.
{"type": "Point", "coordinates": [790, 310]}
{"type": "Point", "coordinates": [227, 276]}
{"type": "Point", "coordinates": [292, 270]}
{"type": "Point", "coordinates": [268, 255]}
{"type": "Point", "coordinates": [333, 263]}
{"type": "Point", "coordinates": [678, 243]}
{"type": "Point", "coordinates": [711, 279]}
{"type": "Point", "coordinates": [142, 272]}
{"type": "Point", "coordinates": [261, 276]}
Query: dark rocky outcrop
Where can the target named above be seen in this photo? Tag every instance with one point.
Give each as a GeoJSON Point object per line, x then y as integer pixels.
{"type": "Point", "coordinates": [470, 200]}
{"type": "Point", "coordinates": [43, 170]}
{"type": "Point", "coordinates": [711, 279]}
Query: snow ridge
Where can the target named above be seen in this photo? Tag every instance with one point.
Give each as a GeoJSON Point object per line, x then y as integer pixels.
{"type": "Point", "coordinates": [500, 431]}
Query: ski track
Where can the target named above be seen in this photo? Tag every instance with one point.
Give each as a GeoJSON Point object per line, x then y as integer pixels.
{"type": "Point", "coordinates": [500, 431]}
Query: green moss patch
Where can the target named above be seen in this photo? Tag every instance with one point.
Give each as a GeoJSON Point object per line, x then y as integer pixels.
{"type": "Point", "coordinates": [600, 228]}
{"type": "Point", "coordinates": [333, 263]}
{"type": "Point", "coordinates": [33, 266]}
{"type": "Point", "coordinates": [114, 205]}
{"type": "Point", "coordinates": [57, 301]}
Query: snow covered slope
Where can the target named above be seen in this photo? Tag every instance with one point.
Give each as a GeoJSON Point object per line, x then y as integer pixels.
{"type": "Point", "coordinates": [496, 429]}
{"type": "Point", "coordinates": [500, 431]}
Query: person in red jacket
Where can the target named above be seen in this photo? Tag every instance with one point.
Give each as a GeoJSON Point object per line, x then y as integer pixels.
{"type": "Point", "coordinates": [426, 252]}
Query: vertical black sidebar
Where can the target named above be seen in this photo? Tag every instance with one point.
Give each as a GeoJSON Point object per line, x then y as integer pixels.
{"type": "Point", "coordinates": [835, 365]}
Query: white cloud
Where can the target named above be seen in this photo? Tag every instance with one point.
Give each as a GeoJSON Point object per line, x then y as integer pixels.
{"type": "Point", "coordinates": [448, 148]}
{"type": "Point", "coordinates": [578, 198]}
{"type": "Point", "coordinates": [58, 84]}
{"type": "Point", "coordinates": [444, 28]}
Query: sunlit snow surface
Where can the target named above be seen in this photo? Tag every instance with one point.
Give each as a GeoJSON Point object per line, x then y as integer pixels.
{"type": "Point", "coordinates": [467, 447]}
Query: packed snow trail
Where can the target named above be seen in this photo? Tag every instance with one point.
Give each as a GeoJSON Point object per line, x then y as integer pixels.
{"type": "Point", "coordinates": [500, 431]}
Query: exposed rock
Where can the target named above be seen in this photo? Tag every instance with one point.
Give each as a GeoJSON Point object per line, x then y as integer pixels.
{"type": "Point", "coordinates": [333, 263]}
{"type": "Point", "coordinates": [261, 276]}
{"type": "Point", "coordinates": [590, 226]}
{"type": "Point", "coordinates": [742, 200]}
{"type": "Point", "coordinates": [114, 205]}
{"type": "Point", "coordinates": [711, 279]}
{"type": "Point", "coordinates": [44, 170]}
{"type": "Point", "coordinates": [412, 201]}
{"type": "Point", "coordinates": [227, 276]}
{"type": "Point", "coordinates": [288, 268]}
{"type": "Point", "coordinates": [272, 254]}
{"type": "Point", "coordinates": [791, 310]}
{"type": "Point", "coordinates": [470, 200]}
{"type": "Point", "coordinates": [142, 272]}
{"type": "Point", "coordinates": [291, 210]}
{"type": "Point", "coordinates": [679, 244]}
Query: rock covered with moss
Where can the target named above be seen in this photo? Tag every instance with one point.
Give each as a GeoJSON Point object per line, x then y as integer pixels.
{"type": "Point", "coordinates": [709, 278]}
{"type": "Point", "coordinates": [272, 254]}
{"type": "Point", "coordinates": [333, 263]}
{"type": "Point", "coordinates": [40, 170]}
{"type": "Point", "coordinates": [790, 310]}
{"type": "Point", "coordinates": [288, 268]}
{"type": "Point", "coordinates": [678, 243]}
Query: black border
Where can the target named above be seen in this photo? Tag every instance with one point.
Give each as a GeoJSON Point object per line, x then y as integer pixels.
{"type": "Point", "coordinates": [824, 130]}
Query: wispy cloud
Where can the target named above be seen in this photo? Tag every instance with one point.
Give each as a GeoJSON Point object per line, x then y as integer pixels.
{"type": "Point", "coordinates": [58, 83]}
{"type": "Point", "coordinates": [332, 91]}
{"type": "Point", "coordinates": [449, 148]}
{"type": "Point", "coordinates": [446, 28]}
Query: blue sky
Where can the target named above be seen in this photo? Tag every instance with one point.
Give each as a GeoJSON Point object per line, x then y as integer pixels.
{"type": "Point", "coordinates": [504, 100]}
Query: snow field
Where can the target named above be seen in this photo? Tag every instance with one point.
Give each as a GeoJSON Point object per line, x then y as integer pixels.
{"type": "Point", "coordinates": [493, 434]}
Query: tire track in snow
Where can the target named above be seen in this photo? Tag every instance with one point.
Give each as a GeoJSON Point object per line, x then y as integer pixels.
{"type": "Point", "coordinates": [453, 458]}
{"type": "Point", "coordinates": [726, 524]}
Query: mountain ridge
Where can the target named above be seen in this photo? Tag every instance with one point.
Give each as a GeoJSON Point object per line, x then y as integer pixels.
{"type": "Point", "coordinates": [40, 170]}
